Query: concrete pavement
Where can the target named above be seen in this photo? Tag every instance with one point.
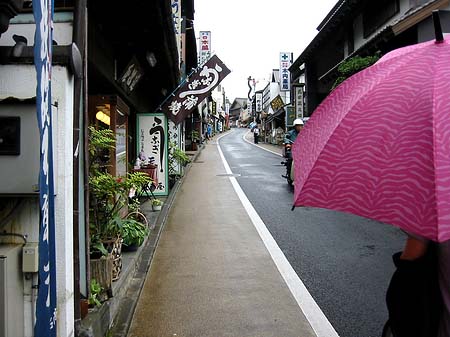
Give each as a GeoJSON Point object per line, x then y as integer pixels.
{"type": "Point", "coordinates": [211, 274]}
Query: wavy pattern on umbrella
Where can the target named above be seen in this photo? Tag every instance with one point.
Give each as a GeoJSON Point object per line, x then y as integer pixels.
{"type": "Point", "coordinates": [379, 145]}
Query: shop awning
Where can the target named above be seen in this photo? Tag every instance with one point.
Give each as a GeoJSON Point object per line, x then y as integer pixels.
{"type": "Point", "coordinates": [277, 115]}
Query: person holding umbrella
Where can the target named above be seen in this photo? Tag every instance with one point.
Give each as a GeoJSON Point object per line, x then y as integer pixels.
{"type": "Point", "coordinates": [378, 147]}
{"type": "Point", "coordinates": [430, 265]}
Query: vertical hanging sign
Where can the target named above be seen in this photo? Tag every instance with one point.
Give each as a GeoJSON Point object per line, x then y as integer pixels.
{"type": "Point", "coordinates": [176, 15]}
{"type": "Point", "coordinates": [205, 46]}
{"type": "Point", "coordinates": [299, 107]}
{"type": "Point", "coordinates": [152, 143]}
{"type": "Point", "coordinates": [174, 142]}
{"type": "Point", "coordinates": [285, 75]}
{"type": "Point", "coordinates": [46, 300]}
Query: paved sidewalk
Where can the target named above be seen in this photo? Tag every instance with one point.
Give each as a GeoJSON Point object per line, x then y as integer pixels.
{"type": "Point", "coordinates": [211, 274]}
{"type": "Point", "coordinates": [267, 146]}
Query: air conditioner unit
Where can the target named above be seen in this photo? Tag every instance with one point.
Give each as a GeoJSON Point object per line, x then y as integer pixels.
{"type": "Point", "coordinates": [11, 292]}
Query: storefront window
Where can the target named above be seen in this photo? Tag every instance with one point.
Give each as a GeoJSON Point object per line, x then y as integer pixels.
{"type": "Point", "coordinates": [110, 112]}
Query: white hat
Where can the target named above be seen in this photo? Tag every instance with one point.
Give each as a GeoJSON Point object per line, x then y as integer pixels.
{"type": "Point", "coordinates": [298, 121]}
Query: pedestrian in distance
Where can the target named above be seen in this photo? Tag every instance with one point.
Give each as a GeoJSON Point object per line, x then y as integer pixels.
{"type": "Point", "coordinates": [256, 134]}
{"type": "Point", "coordinates": [209, 131]}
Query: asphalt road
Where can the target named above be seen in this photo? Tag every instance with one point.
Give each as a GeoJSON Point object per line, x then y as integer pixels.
{"type": "Point", "coordinates": [344, 260]}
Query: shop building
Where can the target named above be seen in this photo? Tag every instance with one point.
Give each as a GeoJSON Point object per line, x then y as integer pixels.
{"type": "Point", "coordinates": [362, 28]}
{"type": "Point", "coordinates": [111, 64]}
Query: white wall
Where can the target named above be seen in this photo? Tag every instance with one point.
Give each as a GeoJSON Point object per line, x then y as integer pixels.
{"type": "Point", "coordinates": [19, 81]}
{"type": "Point", "coordinates": [24, 25]}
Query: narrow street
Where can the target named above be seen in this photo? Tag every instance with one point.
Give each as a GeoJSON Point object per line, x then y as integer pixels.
{"type": "Point", "coordinates": [343, 260]}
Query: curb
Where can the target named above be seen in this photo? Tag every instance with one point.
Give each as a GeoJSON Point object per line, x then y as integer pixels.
{"type": "Point", "coordinates": [122, 321]}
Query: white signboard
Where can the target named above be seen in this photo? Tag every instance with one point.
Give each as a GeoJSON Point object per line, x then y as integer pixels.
{"type": "Point", "coordinates": [285, 75]}
{"type": "Point", "coordinates": [152, 138]}
{"type": "Point", "coordinates": [176, 14]}
{"type": "Point", "coordinates": [175, 140]}
{"type": "Point", "coordinates": [249, 106]}
{"type": "Point", "coordinates": [205, 46]}
{"type": "Point", "coordinates": [299, 108]}
{"type": "Point", "coordinates": [259, 102]}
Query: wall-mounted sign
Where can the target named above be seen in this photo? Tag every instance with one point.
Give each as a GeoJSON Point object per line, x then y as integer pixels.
{"type": "Point", "coordinates": [277, 103]}
{"type": "Point", "coordinates": [299, 107]}
{"type": "Point", "coordinates": [213, 108]}
{"type": "Point", "coordinates": [176, 15]}
{"type": "Point", "coordinates": [259, 101]}
{"type": "Point", "coordinates": [152, 138]}
{"type": "Point", "coordinates": [205, 46]}
{"type": "Point", "coordinates": [290, 116]}
{"type": "Point", "coordinates": [46, 304]}
{"type": "Point", "coordinates": [195, 89]}
{"type": "Point", "coordinates": [175, 141]}
{"type": "Point", "coordinates": [285, 75]}
{"type": "Point", "coordinates": [249, 106]}
{"type": "Point", "coordinates": [131, 75]}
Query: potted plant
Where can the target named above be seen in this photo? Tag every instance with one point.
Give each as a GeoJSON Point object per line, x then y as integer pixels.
{"type": "Point", "coordinates": [156, 205]}
{"type": "Point", "coordinates": [178, 159]}
{"type": "Point", "coordinates": [96, 296]}
{"type": "Point", "coordinates": [133, 234]}
{"type": "Point", "coordinates": [108, 205]}
{"type": "Point", "coordinates": [195, 138]}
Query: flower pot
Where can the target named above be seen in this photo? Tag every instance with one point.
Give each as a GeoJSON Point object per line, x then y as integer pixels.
{"type": "Point", "coordinates": [156, 208]}
{"type": "Point", "coordinates": [84, 308]}
{"type": "Point", "coordinates": [130, 248]}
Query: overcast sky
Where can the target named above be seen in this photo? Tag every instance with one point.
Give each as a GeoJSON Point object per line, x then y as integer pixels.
{"type": "Point", "coordinates": [248, 35]}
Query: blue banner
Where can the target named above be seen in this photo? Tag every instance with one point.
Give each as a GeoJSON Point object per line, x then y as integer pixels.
{"type": "Point", "coordinates": [46, 300]}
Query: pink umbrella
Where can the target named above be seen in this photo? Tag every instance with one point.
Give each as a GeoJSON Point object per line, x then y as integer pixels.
{"type": "Point", "coordinates": [379, 145]}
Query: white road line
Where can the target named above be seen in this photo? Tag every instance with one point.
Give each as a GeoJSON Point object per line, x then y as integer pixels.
{"type": "Point", "coordinates": [261, 147]}
{"type": "Point", "coordinates": [316, 318]}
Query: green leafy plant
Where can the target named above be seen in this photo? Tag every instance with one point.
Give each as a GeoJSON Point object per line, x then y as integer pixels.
{"type": "Point", "coordinates": [352, 66]}
{"type": "Point", "coordinates": [195, 136]}
{"type": "Point", "coordinates": [108, 194]}
{"type": "Point", "coordinates": [94, 296]}
{"type": "Point", "coordinates": [176, 157]}
{"type": "Point", "coordinates": [157, 202]}
{"type": "Point", "coordinates": [133, 232]}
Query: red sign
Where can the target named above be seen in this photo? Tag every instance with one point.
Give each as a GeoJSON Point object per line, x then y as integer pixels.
{"type": "Point", "coordinates": [195, 89]}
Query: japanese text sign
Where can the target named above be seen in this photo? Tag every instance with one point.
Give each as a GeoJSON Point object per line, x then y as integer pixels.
{"type": "Point", "coordinates": [259, 101]}
{"type": "Point", "coordinates": [285, 75]}
{"type": "Point", "coordinates": [152, 136]}
{"type": "Point", "coordinates": [277, 103]}
{"type": "Point", "coordinates": [205, 46]}
{"type": "Point", "coordinates": [299, 107]}
{"type": "Point", "coordinates": [176, 15]}
{"type": "Point", "coordinates": [195, 89]}
{"type": "Point", "coordinates": [46, 304]}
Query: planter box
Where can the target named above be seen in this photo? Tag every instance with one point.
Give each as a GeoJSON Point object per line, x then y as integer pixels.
{"type": "Point", "coordinates": [101, 271]}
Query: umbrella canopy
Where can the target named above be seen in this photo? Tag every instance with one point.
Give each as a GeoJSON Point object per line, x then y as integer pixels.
{"type": "Point", "coordinates": [379, 145]}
